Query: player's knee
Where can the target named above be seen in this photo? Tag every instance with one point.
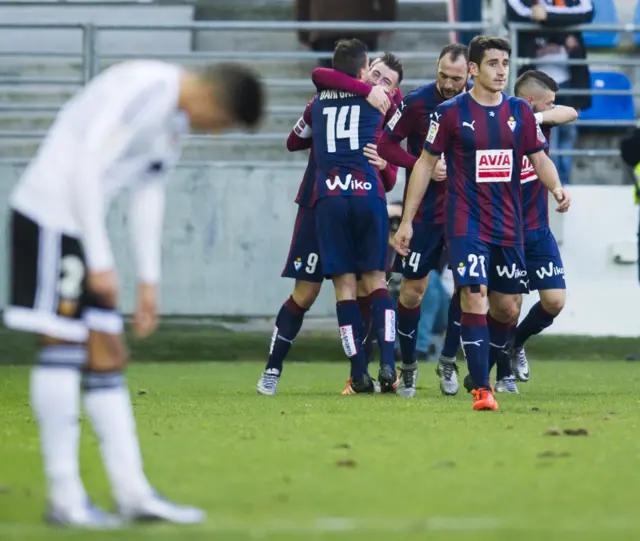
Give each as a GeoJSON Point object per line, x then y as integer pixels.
{"type": "Point", "coordinates": [472, 299]}
{"type": "Point", "coordinates": [412, 292]}
{"type": "Point", "coordinates": [346, 287]}
{"type": "Point", "coordinates": [305, 293]}
{"type": "Point", "coordinates": [553, 303]}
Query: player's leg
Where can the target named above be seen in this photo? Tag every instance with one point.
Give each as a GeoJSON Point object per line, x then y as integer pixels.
{"type": "Point", "coordinates": [336, 243]}
{"type": "Point", "coordinates": [507, 282]}
{"type": "Point", "coordinates": [303, 265]}
{"type": "Point", "coordinates": [108, 405]}
{"type": "Point", "coordinates": [371, 223]}
{"type": "Point", "coordinates": [425, 251]}
{"type": "Point", "coordinates": [546, 274]}
{"type": "Point", "coordinates": [364, 304]}
{"type": "Point", "coordinates": [470, 260]}
{"type": "Point", "coordinates": [46, 285]}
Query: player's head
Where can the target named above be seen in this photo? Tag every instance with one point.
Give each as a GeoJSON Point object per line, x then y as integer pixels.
{"type": "Point", "coordinates": [386, 71]}
{"type": "Point", "coordinates": [489, 62]}
{"type": "Point", "coordinates": [221, 97]}
{"type": "Point", "coordinates": [453, 70]}
{"type": "Point", "coordinates": [350, 57]}
{"type": "Point", "coordinates": [538, 89]}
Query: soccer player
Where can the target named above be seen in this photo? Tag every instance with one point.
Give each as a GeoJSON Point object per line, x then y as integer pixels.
{"type": "Point", "coordinates": [122, 130]}
{"type": "Point", "coordinates": [352, 225]}
{"type": "Point", "coordinates": [545, 270]}
{"type": "Point", "coordinates": [411, 122]}
{"type": "Point", "coordinates": [303, 261]}
{"type": "Point", "coordinates": [484, 135]}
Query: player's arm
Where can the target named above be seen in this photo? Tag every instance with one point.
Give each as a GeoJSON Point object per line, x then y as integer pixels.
{"type": "Point", "coordinates": [376, 96]}
{"type": "Point", "coordinates": [558, 115]}
{"type": "Point", "coordinates": [548, 175]}
{"type": "Point", "coordinates": [389, 176]}
{"type": "Point", "coordinates": [407, 119]}
{"type": "Point", "coordinates": [300, 137]}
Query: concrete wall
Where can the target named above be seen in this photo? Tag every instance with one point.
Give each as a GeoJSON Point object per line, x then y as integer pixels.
{"type": "Point", "coordinates": [227, 235]}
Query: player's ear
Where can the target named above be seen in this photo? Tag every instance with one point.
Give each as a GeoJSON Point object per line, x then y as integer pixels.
{"type": "Point", "coordinates": [473, 69]}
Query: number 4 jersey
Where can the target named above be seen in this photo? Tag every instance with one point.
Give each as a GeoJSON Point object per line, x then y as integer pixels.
{"type": "Point", "coordinates": [342, 125]}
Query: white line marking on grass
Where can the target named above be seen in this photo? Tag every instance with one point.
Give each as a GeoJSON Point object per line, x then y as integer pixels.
{"type": "Point", "coordinates": [330, 525]}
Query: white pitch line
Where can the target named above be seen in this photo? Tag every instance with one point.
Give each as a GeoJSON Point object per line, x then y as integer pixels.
{"type": "Point", "coordinates": [330, 525]}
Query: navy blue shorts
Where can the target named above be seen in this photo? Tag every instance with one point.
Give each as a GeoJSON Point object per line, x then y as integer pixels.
{"type": "Point", "coordinates": [303, 261]}
{"type": "Point", "coordinates": [353, 234]}
{"type": "Point", "coordinates": [475, 262]}
{"type": "Point", "coordinates": [544, 263]}
{"type": "Point", "coordinates": [425, 252]}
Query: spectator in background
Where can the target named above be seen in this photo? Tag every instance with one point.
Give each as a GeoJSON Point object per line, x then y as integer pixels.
{"type": "Point", "coordinates": [341, 10]}
{"type": "Point", "coordinates": [552, 50]}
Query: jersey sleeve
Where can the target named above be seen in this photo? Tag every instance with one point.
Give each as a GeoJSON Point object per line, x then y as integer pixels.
{"type": "Point", "coordinates": [146, 215]}
{"type": "Point", "coordinates": [409, 118]}
{"type": "Point", "coordinates": [440, 129]}
{"type": "Point", "coordinates": [532, 139]}
{"type": "Point", "coordinates": [389, 177]}
{"type": "Point", "coordinates": [325, 78]}
{"type": "Point", "coordinates": [300, 136]}
{"type": "Point", "coordinates": [135, 113]}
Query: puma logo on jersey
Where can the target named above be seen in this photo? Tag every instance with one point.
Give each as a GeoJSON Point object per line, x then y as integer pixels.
{"type": "Point", "coordinates": [469, 125]}
{"type": "Point", "coordinates": [476, 343]}
{"type": "Point", "coordinates": [436, 116]}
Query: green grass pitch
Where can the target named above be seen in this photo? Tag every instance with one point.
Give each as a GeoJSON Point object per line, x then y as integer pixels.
{"type": "Point", "coordinates": [311, 464]}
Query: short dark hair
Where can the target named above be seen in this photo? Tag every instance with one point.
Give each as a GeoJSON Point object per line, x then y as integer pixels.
{"type": "Point", "coordinates": [393, 63]}
{"type": "Point", "coordinates": [240, 90]}
{"type": "Point", "coordinates": [455, 50]}
{"type": "Point", "coordinates": [480, 44]}
{"type": "Point", "coordinates": [350, 56]}
{"type": "Point", "coordinates": [537, 76]}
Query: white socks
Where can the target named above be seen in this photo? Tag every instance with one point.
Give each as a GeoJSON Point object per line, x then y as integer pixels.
{"type": "Point", "coordinates": [55, 399]}
{"type": "Point", "coordinates": [109, 407]}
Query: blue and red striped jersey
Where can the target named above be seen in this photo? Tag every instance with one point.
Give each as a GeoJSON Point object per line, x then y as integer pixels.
{"type": "Point", "coordinates": [411, 122]}
{"type": "Point", "coordinates": [342, 124]}
{"type": "Point", "coordinates": [484, 148]}
{"type": "Point", "coordinates": [535, 196]}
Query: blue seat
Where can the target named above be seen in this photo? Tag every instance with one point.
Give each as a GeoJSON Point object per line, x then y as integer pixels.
{"type": "Point", "coordinates": [636, 20]}
{"type": "Point", "coordinates": [610, 107]}
{"type": "Point", "coordinates": [605, 13]}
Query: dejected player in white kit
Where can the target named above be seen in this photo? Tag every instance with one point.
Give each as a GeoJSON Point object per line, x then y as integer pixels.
{"type": "Point", "coordinates": [122, 130]}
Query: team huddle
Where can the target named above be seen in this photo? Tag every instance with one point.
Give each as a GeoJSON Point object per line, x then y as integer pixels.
{"type": "Point", "coordinates": [478, 182]}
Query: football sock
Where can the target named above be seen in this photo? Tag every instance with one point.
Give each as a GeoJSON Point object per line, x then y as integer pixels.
{"type": "Point", "coordinates": [287, 327]}
{"type": "Point", "coordinates": [350, 324]}
{"type": "Point", "coordinates": [383, 318]}
{"type": "Point", "coordinates": [537, 320]}
{"type": "Point", "coordinates": [452, 337]}
{"type": "Point", "coordinates": [364, 304]}
{"type": "Point", "coordinates": [108, 406]}
{"type": "Point", "coordinates": [55, 400]}
{"type": "Point", "coordinates": [408, 321]}
{"type": "Point", "coordinates": [474, 336]}
{"type": "Point", "coordinates": [498, 340]}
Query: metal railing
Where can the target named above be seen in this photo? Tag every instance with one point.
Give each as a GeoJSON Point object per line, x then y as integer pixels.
{"type": "Point", "coordinates": [92, 58]}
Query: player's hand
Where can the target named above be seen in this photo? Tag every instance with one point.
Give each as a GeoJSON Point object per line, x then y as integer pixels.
{"type": "Point", "coordinates": [378, 99]}
{"type": "Point", "coordinates": [403, 238]}
{"type": "Point", "coordinates": [371, 152]}
{"type": "Point", "coordinates": [104, 285]}
{"type": "Point", "coordinates": [440, 170]}
{"type": "Point", "coordinates": [146, 317]}
{"type": "Point", "coordinates": [571, 43]}
{"type": "Point", "coordinates": [563, 198]}
{"type": "Point", "coordinates": [538, 13]}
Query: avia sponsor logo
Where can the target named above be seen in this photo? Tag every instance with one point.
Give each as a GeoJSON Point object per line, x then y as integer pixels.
{"type": "Point", "coordinates": [548, 272]}
{"type": "Point", "coordinates": [528, 173]}
{"type": "Point", "coordinates": [348, 184]}
{"type": "Point", "coordinates": [494, 165]}
{"type": "Point", "coordinates": [510, 272]}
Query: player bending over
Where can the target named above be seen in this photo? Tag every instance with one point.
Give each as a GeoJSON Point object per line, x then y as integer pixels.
{"type": "Point", "coordinates": [120, 131]}
{"type": "Point", "coordinates": [303, 261]}
{"type": "Point", "coordinates": [484, 135]}
{"type": "Point", "coordinates": [545, 270]}
{"type": "Point", "coordinates": [411, 122]}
